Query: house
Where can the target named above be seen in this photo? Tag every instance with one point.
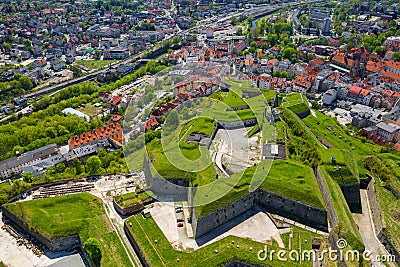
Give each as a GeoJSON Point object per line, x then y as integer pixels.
{"type": "Point", "coordinates": [151, 124]}
{"type": "Point", "coordinates": [329, 96]}
{"type": "Point", "coordinates": [116, 54]}
{"type": "Point", "coordinates": [115, 101]}
{"type": "Point", "coordinates": [104, 96]}
{"type": "Point", "coordinates": [353, 93]}
{"type": "Point", "coordinates": [115, 119]}
{"type": "Point", "coordinates": [389, 131]}
{"type": "Point", "coordinates": [56, 63]}
{"type": "Point", "coordinates": [13, 166]}
{"type": "Point", "coordinates": [274, 51]}
{"type": "Point", "coordinates": [112, 133]}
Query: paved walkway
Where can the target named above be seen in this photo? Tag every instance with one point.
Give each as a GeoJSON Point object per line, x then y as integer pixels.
{"type": "Point", "coordinates": [367, 232]}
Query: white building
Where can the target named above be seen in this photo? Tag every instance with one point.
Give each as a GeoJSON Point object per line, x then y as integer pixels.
{"type": "Point", "coordinates": [389, 131]}
{"type": "Point", "coordinates": [329, 96]}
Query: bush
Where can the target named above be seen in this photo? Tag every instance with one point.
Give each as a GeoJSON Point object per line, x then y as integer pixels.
{"type": "Point", "coordinates": [93, 248]}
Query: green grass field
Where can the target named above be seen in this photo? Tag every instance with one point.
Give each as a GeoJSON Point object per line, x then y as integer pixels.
{"type": "Point", "coordinates": [293, 99]}
{"type": "Point", "coordinates": [346, 227]}
{"type": "Point", "coordinates": [132, 198]}
{"type": "Point", "coordinates": [175, 162]}
{"type": "Point", "coordinates": [234, 99]}
{"type": "Point", "coordinates": [352, 153]}
{"type": "Point", "coordinates": [81, 214]}
{"type": "Point", "coordinates": [198, 125]}
{"type": "Point", "coordinates": [158, 252]}
{"type": "Point", "coordinates": [339, 137]}
{"type": "Point", "coordinates": [285, 178]}
{"type": "Point", "coordinates": [94, 64]}
{"type": "Point", "coordinates": [299, 108]}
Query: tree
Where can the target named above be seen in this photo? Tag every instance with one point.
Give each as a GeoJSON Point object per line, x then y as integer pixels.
{"type": "Point", "coordinates": [78, 166]}
{"type": "Point", "coordinates": [101, 153]}
{"type": "Point", "coordinates": [288, 53]}
{"type": "Point", "coordinates": [315, 105]}
{"type": "Point", "coordinates": [25, 82]}
{"type": "Point", "coordinates": [250, 19]}
{"type": "Point", "coordinates": [60, 167]}
{"type": "Point", "coordinates": [93, 165]}
{"type": "Point", "coordinates": [27, 177]}
{"type": "Point", "coordinates": [7, 46]}
{"type": "Point", "coordinates": [233, 20]}
{"type": "Point", "coordinates": [190, 177]}
{"type": "Point", "coordinates": [172, 120]}
{"type": "Point", "coordinates": [272, 39]}
{"type": "Point", "coordinates": [396, 56]}
{"type": "Point", "coordinates": [93, 248]}
{"type": "Point", "coordinates": [239, 31]}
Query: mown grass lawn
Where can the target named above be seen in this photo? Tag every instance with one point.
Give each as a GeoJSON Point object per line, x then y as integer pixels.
{"type": "Point", "coordinates": [81, 214]}
{"type": "Point", "coordinates": [285, 178]}
{"type": "Point", "coordinates": [94, 64]}
{"type": "Point", "coordinates": [158, 252]}
{"type": "Point", "coordinates": [234, 99]}
{"type": "Point", "coordinates": [299, 108]}
{"type": "Point", "coordinates": [330, 130]}
{"type": "Point", "coordinates": [177, 159]}
{"type": "Point", "coordinates": [200, 125]}
{"type": "Point", "coordinates": [135, 159]}
{"type": "Point", "coordinates": [293, 99]}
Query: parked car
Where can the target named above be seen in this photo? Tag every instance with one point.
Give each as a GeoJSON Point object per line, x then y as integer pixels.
{"type": "Point", "coordinates": [178, 210]}
{"type": "Point", "coordinates": [180, 220]}
{"type": "Point", "coordinates": [180, 224]}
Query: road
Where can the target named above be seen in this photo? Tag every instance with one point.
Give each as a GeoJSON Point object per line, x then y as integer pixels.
{"type": "Point", "coordinates": [367, 232]}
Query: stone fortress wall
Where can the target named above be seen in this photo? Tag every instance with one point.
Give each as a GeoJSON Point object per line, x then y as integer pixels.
{"type": "Point", "coordinates": [272, 203]}
{"type": "Point", "coordinates": [351, 193]}
{"type": "Point", "coordinates": [55, 245]}
{"type": "Point", "coordinates": [369, 185]}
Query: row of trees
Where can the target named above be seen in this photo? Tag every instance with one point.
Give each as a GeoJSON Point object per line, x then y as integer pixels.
{"type": "Point", "coordinates": [299, 143]}
{"type": "Point", "coordinates": [17, 86]}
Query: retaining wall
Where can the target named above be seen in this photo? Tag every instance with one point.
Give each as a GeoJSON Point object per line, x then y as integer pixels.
{"type": "Point", "coordinates": [55, 245]}
{"type": "Point", "coordinates": [332, 215]}
{"type": "Point", "coordinates": [272, 203]}
{"type": "Point", "coordinates": [351, 193]}
{"type": "Point", "coordinates": [135, 245]}
{"type": "Point", "coordinates": [376, 218]}
{"type": "Point", "coordinates": [237, 124]}
{"type": "Point", "coordinates": [303, 114]}
{"type": "Point", "coordinates": [127, 210]}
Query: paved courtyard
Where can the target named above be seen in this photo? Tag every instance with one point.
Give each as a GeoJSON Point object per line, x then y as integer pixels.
{"type": "Point", "coordinates": [233, 150]}
{"type": "Point", "coordinates": [253, 224]}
